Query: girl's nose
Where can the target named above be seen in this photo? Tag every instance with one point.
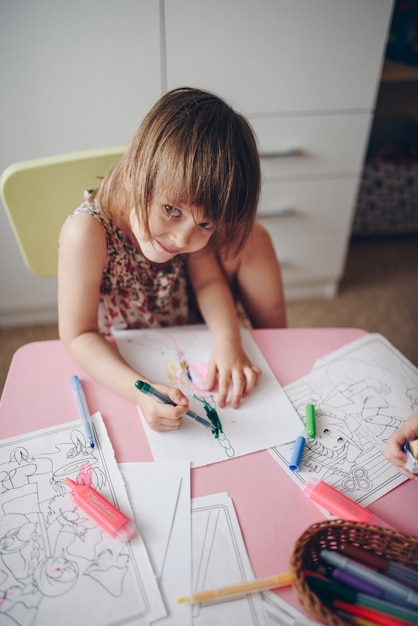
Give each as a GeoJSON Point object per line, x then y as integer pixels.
{"type": "Point", "coordinates": [182, 236]}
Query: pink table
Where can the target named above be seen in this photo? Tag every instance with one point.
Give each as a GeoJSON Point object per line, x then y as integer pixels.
{"type": "Point", "coordinates": [271, 508]}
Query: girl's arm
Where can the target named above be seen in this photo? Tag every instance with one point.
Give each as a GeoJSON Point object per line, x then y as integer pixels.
{"type": "Point", "coordinates": [228, 362]}
{"type": "Point", "coordinates": [408, 431]}
{"type": "Point", "coordinates": [82, 258]}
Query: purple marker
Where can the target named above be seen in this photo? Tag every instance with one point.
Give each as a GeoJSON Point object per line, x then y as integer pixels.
{"type": "Point", "coordinates": [350, 580]}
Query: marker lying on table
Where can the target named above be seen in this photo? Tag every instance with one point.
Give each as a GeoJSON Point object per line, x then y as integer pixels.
{"type": "Point", "coordinates": [234, 591]}
{"type": "Point", "coordinates": [82, 408]}
{"type": "Point", "coordinates": [147, 389]}
{"type": "Point", "coordinates": [339, 504]}
{"type": "Point", "coordinates": [102, 511]}
{"type": "Point", "coordinates": [310, 421]}
{"type": "Point", "coordinates": [297, 453]}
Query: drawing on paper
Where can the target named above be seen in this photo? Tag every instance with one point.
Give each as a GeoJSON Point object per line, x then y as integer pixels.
{"type": "Point", "coordinates": [49, 548]}
{"type": "Point", "coordinates": [190, 378]}
{"type": "Point", "coordinates": [180, 356]}
{"type": "Point", "coordinates": [361, 396]}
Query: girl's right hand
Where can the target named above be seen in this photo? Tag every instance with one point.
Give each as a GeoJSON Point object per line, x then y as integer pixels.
{"type": "Point", "coordinates": [163, 417]}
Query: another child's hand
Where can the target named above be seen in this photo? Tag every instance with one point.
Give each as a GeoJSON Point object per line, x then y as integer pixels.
{"type": "Point", "coordinates": [229, 364]}
{"type": "Point", "coordinates": [163, 417]}
{"type": "Point", "coordinates": [408, 431]}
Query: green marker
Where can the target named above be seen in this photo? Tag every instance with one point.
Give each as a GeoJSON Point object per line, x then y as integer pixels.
{"type": "Point", "coordinates": [330, 591]}
{"type": "Point", "coordinates": [147, 389]}
{"type": "Point", "coordinates": [310, 420]}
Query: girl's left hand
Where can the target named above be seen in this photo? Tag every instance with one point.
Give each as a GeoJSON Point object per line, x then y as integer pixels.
{"type": "Point", "coordinates": [230, 365]}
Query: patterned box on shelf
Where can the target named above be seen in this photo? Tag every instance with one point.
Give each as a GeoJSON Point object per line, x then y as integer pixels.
{"type": "Point", "coordinates": [387, 201]}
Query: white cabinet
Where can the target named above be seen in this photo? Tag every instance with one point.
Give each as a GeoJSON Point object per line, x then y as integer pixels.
{"type": "Point", "coordinates": [305, 72]}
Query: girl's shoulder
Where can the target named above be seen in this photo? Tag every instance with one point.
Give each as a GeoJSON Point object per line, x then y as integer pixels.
{"type": "Point", "coordinates": [117, 241]}
{"type": "Point", "coordinates": [89, 206]}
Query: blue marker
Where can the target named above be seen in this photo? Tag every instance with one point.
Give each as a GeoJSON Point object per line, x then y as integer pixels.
{"type": "Point", "coordinates": [82, 408]}
{"type": "Point", "coordinates": [297, 453]}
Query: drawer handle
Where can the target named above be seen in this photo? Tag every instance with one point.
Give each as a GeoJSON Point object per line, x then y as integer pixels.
{"type": "Point", "coordinates": [286, 211]}
{"type": "Point", "coordinates": [284, 153]}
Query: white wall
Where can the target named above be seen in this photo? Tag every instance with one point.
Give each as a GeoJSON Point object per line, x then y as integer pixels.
{"type": "Point", "coordinates": [81, 74]}
{"type": "Point", "coordinates": [75, 75]}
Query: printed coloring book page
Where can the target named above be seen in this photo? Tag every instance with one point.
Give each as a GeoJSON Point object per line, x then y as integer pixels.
{"type": "Point", "coordinates": [57, 566]}
{"type": "Point", "coordinates": [179, 356]}
{"type": "Point", "coordinates": [361, 393]}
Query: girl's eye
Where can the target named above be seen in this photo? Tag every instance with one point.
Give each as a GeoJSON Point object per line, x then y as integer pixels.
{"type": "Point", "coordinates": [172, 211]}
{"type": "Point", "coordinates": [207, 225]}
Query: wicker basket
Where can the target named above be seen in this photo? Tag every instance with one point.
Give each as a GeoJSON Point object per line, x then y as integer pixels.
{"type": "Point", "coordinates": [331, 535]}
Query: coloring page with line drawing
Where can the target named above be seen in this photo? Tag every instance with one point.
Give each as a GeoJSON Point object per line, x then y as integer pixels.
{"type": "Point", "coordinates": [362, 393]}
{"type": "Point", "coordinates": [58, 566]}
{"type": "Point", "coordinates": [179, 356]}
{"type": "Point", "coordinates": [219, 560]}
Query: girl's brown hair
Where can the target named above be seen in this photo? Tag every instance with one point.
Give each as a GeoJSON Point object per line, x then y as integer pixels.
{"type": "Point", "coordinates": [196, 148]}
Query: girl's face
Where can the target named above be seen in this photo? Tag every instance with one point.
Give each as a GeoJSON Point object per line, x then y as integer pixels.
{"type": "Point", "coordinates": [174, 228]}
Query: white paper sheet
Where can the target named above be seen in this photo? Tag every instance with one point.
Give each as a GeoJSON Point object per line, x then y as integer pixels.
{"type": "Point", "coordinates": [280, 613]}
{"type": "Point", "coordinates": [179, 356]}
{"type": "Point", "coordinates": [56, 564]}
{"type": "Point", "coordinates": [361, 393]}
{"type": "Point", "coordinates": [219, 560]}
{"type": "Point", "coordinates": [160, 496]}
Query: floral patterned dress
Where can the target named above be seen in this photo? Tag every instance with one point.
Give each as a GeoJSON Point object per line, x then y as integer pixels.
{"type": "Point", "coordinates": [135, 293]}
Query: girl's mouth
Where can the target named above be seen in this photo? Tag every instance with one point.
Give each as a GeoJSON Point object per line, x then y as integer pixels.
{"type": "Point", "coordinates": [173, 251]}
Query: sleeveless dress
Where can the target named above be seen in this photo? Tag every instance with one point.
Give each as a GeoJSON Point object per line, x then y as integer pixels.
{"type": "Point", "coordinates": [135, 293]}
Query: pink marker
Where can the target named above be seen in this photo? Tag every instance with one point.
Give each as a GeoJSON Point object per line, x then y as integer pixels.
{"type": "Point", "coordinates": [340, 505]}
{"type": "Point", "coordinates": [102, 511]}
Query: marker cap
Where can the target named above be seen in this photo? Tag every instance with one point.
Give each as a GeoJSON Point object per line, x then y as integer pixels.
{"type": "Point", "coordinates": [310, 486]}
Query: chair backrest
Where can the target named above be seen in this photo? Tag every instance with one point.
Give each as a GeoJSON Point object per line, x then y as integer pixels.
{"type": "Point", "coordinates": [38, 196]}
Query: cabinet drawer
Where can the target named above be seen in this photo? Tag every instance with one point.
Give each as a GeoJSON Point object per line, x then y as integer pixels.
{"type": "Point", "coordinates": [309, 206]}
{"type": "Point", "coordinates": [298, 146]}
{"type": "Point", "coordinates": [308, 257]}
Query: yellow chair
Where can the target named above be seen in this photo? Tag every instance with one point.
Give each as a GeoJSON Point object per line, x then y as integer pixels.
{"type": "Point", "coordinates": [38, 195]}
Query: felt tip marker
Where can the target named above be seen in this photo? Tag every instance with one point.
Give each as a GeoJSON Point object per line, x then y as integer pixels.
{"type": "Point", "coordinates": [401, 572]}
{"type": "Point", "coordinates": [330, 591]}
{"type": "Point", "coordinates": [341, 576]}
{"type": "Point", "coordinates": [235, 591]}
{"type": "Point", "coordinates": [310, 421]}
{"type": "Point", "coordinates": [392, 591]}
{"type": "Point", "coordinates": [82, 409]}
{"type": "Point", "coordinates": [339, 504]}
{"type": "Point", "coordinates": [297, 453]}
{"type": "Point", "coordinates": [102, 511]}
{"type": "Point", "coordinates": [147, 389]}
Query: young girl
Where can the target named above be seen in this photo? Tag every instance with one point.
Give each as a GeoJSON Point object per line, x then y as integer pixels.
{"type": "Point", "coordinates": [171, 224]}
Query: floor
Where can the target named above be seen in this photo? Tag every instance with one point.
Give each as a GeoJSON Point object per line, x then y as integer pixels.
{"type": "Point", "coordinates": [378, 293]}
